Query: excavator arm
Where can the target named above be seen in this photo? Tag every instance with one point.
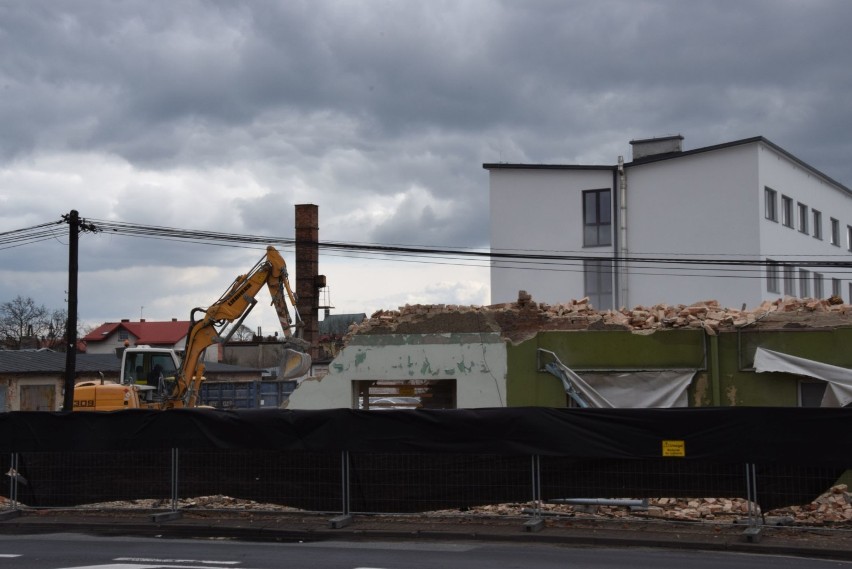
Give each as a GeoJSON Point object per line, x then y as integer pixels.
{"type": "Point", "coordinates": [234, 306]}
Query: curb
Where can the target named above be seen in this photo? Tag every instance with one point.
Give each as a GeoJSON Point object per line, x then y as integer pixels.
{"type": "Point", "coordinates": [320, 530]}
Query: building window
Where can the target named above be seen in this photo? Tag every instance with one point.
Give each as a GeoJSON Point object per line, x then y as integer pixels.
{"type": "Point", "coordinates": [381, 395]}
{"type": "Point", "coordinates": [773, 278]}
{"type": "Point", "coordinates": [770, 198]}
{"type": "Point", "coordinates": [835, 232]}
{"type": "Point", "coordinates": [819, 287]}
{"type": "Point", "coordinates": [803, 218]}
{"type": "Point", "coordinates": [787, 211]}
{"type": "Point", "coordinates": [789, 280]}
{"type": "Point", "coordinates": [835, 287]}
{"type": "Point", "coordinates": [811, 393]}
{"type": "Point", "coordinates": [598, 282]}
{"type": "Point", "coordinates": [817, 224]}
{"type": "Point", "coordinates": [123, 335]}
{"type": "Point", "coordinates": [804, 283]}
{"type": "Point", "coordinates": [597, 218]}
{"type": "Point", "coordinates": [849, 237]}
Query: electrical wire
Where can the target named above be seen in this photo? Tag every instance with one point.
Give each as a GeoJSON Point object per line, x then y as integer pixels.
{"type": "Point", "coordinates": [674, 264]}
{"type": "Point", "coordinates": [28, 235]}
{"type": "Point", "coordinates": [527, 256]}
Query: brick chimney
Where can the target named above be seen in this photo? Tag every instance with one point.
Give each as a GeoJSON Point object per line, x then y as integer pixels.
{"type": "Point", "coordinates": [307, 277]}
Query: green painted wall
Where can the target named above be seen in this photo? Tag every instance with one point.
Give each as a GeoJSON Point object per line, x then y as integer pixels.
{"type": "Point", "coordinates": [725, 376]}
{"type": "Point", "coordinates": [741, 386]}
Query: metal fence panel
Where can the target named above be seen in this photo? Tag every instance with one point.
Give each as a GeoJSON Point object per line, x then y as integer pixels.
{"type": "Point", "coordinates": [302, 480]}
{"type": "Point", "coordinates": [398, 483]}
{"type": "Point", "coordinates": [61, 479]}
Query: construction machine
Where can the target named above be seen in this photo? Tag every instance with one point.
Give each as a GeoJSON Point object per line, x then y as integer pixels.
{"type": "Point", "coordinates": [157, 378]}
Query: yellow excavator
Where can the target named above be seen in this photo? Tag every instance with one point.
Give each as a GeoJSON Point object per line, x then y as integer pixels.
{"type": "Point", "coordinates": [157, 378]}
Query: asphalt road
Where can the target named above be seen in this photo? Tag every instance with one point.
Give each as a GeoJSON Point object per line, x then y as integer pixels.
{"type": "Point", "coordinates": [77, 551]}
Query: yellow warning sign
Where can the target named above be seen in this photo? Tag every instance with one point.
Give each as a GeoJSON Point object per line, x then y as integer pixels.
{"type": "Point", "coordinates": [674, 448]}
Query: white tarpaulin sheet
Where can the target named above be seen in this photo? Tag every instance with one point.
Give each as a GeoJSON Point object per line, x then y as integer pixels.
{"type": "Point", "coordinates": [838, 392]}
{"type": "Point", "coordinates": [643, 389]}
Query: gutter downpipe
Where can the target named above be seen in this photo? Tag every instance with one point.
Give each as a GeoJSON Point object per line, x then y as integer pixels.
{"type": "Point", "coordinates": [622, 241]}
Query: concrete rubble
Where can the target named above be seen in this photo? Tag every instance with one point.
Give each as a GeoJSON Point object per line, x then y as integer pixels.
{"type": "Point", "coordinates": [520, 319]}
{"type": "Point", "coordinates": [831, 509]}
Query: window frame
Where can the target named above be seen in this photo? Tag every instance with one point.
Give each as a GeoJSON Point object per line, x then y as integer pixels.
{"type": "Point", "coordinates": [804, 283]}
{"type": "Point", "coordinates": [600, 297]}
{"type": "Point", "coordinates": [835, 232]}
{"type": "Point", "coordinates": [817, 218]}
{"type": "Point", "coordinates": [770, 201]}
{"type": "Point", "coordinates": [789, 280]}
{"type": "Point", "coordinates": [803, 218]}
{"type": "Point", "coordinates": [773, 276]}
{"type": "Point", "coordinates": [819, 285]}
{"type": "Point", "coordinates": [602, 226]}
{"type": "Point", "coordinates": [787, 211]}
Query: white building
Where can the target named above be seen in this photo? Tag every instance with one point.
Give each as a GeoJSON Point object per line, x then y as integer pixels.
{"type": "Point", "coordinates": [615, 231]}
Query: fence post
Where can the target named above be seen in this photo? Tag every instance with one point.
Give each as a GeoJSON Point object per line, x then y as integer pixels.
{"type": "Point", "coordinates": [345, 518]}
{"type": "Point", "coordinates": [537, 522]}
{"type": "Point", "coordinates": [173, 514]}
{"type": "Point", "coordinates": [13, 482]}
{"type": "Point", "coordinates": [752, 532]}
{"type": "Point", "coordinates": [174, 478]}
{"type": "Point", "coordinates": [14, 478]}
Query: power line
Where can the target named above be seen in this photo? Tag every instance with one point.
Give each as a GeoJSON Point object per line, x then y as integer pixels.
{"type": "Point", "coordinates": [675, 264]}
{"type": "Point", "coordinates": [492, 255]}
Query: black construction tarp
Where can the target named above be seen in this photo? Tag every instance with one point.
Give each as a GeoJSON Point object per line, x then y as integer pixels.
{"type": "Point", "coordinates": [789, 436]}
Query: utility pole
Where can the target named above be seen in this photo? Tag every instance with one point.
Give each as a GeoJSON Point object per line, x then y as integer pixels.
{"type": "Point", "coordinates": [74, 228]}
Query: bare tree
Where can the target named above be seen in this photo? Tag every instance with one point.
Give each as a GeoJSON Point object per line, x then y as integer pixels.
{"type": "Point", "coordinates": [56, 330]}
{"type": "Point", "coordinates": [21, 319]}
{"type": "Point", "coordinates": [243, 334]}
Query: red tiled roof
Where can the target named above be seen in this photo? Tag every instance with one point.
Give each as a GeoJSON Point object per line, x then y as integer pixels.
{"type": "Point", "coordinates": [169, 332]}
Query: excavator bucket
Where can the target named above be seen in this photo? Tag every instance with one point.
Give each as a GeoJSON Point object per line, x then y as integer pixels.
{"type": "Point", "coordinates": [294, 364]}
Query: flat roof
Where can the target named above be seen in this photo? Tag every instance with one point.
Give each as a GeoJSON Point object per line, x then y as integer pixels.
{"type": "Point", "coordinates": [672, 156]}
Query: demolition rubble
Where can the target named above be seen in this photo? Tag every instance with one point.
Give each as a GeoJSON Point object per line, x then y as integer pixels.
{"type": "Point", "coordinates": [831, 509]}
{"type": "Point", "coordinates": [522, 319]}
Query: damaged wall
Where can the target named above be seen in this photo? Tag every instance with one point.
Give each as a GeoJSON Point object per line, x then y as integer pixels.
{"type": "Point", "coordinates": [492, 351]}
{"type": "Point", "coordinates": [477, 363]}
{"type": "Point", "coordinates": [590, 351]}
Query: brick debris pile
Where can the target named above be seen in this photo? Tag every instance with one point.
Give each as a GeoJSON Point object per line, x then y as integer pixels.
{"type": "Point", "coordinates": [521, 319]}
{"type": "Point", "coordinates": [832, 508]}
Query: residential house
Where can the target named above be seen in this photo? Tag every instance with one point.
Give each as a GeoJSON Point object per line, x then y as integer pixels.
{"type": "Point", "coordinates": [112, 336]}
{"type": "Point", "coordinates": [628, 227]}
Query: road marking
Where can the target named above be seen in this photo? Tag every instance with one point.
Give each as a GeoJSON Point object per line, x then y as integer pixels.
{"type": "Point", "coordinates": [10, 554]}
{"type": "Point", "coordinates": [157, 560]}
{"type": "Point", "coordinates": [138, 566]}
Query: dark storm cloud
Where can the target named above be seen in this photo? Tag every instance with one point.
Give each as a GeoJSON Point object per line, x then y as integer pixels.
{"type": "Point", "coordinates": [349, 103]}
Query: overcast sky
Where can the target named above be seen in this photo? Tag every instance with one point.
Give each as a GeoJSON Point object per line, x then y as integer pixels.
{"type": "Point", "coordinates": [224, 115]}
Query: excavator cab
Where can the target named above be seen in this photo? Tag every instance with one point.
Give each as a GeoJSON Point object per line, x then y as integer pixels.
{"type": "Point", "coordinates": [151, 370]}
